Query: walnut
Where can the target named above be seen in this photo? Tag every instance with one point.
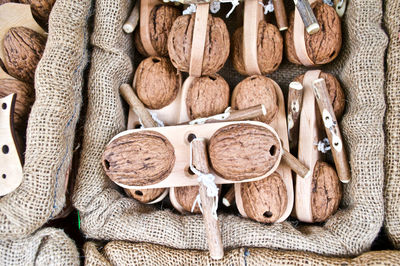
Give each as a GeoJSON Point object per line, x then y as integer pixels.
{"type": "Point", "coordinates": [139, 159]}
{"type": "Point", "coordinates": [207, 96]}
{"type": "Point", "coordinates": [186, 197]}
{"type": "Point", "coordinates": [8, 1]}
{"type": "Point", "coordinates": [243, 151]}
{"type": "Point", "coordinates": [157, 82]}
{"type": "Point", "coordinates": [265, 200]}
{"type": "Point", "coordinates": [323, 46]}
{"type": "Point", "coordinates": [25, 98]}
{"type": "Point", "coordinates": [145, 195]}
{"type": "Point", "coordinates": [40, 8]}
{"type": "Point", "coordinates": [335, 92]}
{"type": "Point", "coordinates": [23, 49]}
{"type": "Point", "coordinates": [253, 91]}
{"type": "Point", "coordinates": [216, 49]}
{"type": "Point", "coordinates": [326, 192]}
{"type": "Point", "coordinates": [269, 49]}
{"type": "Point", "coordinates": [161, 19]}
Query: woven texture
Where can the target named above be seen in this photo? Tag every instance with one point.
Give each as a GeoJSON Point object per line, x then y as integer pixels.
{"type": "Point", "coordinates": [51, 126]}
{"type": "Point", "coordinates": [392, 158]}
{"type": "Point", "coordinates": [107, 214]}
{"type": "Point", "coordinates": [125, 253]}
{"type": "Point", "coordinates": [48, 246]}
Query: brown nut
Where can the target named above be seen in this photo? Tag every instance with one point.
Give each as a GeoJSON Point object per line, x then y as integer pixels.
{"type": "Point", "coordinates": [145, 195]}
{"type": "Point", "coordinates": [243, 151]}
{"type": "Point", "coordinates": [335, 92]}
{"type": "Point", "coordinates": [25, 98]}
{"type": "Point", "coordinates": [269, 49]}
{"type": "Point", "coordinates": [8, 1]}
{"type": "Point", "coordinates": [40, 8]}
{"type": "Point", "coordinates": [157, 82]}
{"type": "Point", "coordinates": [326, 192]}
{"type": "Point", "coordinates": [161, 19]}
{"type": "Point", "coordinates": [216, 48]}
{"type": "Point", "coordinates": [139, 159]}
{"type": "Point", "coordinates": [265, 200]}
{"type": "Point", "coordinates": [186, 197]}
{"type": "Point", "coordinates": [207, 96]}
{"type": "Point", "coordinates": [253, 91]}
{"type": "Point", "coordinates": [323, 46]}
{"type": "Point", "coordinates": [23, 49]}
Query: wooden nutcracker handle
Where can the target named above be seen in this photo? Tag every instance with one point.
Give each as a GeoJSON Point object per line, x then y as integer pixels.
{"type": "Point", "coordinates": [132, 21]}
{"type": "Point", "coordinates": [200, 162]}
{"type": "Point", "coordinates": [298, 167]}
{"type": "Point", "coordinates": [280, 14]}
{"type": "Point", "coordinates": [307, 15]}
{"type": "Point", "coordinates": [295, 103]}
{"type": "Point", "coordinates": [229, 197]}
{"type": "Point", "coordinates": [332, 130]}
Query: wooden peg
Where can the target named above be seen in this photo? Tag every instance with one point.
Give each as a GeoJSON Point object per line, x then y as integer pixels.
{"type": "Point", "coordinates": [229, 197]}
{"type": "Point", "coordinates": [298, 167]}
{"type": "Point", "coordinates": [137, 106]}
{"type": "Point", "coordinates": [200, 162]}
{"type": "Point", "coordinates": [280, 14]}
{"type": "Point", "coordinates": [132, 21]}
{"type": "Point", "coordinates": [307, 15]}
{"type": "Point", "coordinates": [332, 130]}
{"type": "Point", "coordinates": [295, 103]}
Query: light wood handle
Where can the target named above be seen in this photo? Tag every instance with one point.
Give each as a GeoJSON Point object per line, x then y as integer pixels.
{"type": "Point", "coordinates": [294, 164]}
{"type": "Point", "coordinates": [280, 14]}
{"type": "Point", "coordinates": [332, 130]}
{"type": "Point", "coordinates": [137, 106]}
{"type": "Point", "coordinates": [307, 15]}
{"type": "Point", "coordinates": [132, 21]}
{"type": "Point", "coordinates": [229, 197]}
{"type": "Point", "coordinates": [200, 162]}
{"type": "Point", "coordinates": [295, 103]}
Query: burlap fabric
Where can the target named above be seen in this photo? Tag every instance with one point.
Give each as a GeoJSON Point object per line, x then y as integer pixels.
{"type": "Point", "coordinates": [125, 253]}
{"type": "Point", "coordinates": [51, 126]}
{"type": "Point", "coordinates": [392, 155]}
{"type": "Point", "coordinates": [48, 246]}
{"type": "Point", "coordinates": [107, 214]}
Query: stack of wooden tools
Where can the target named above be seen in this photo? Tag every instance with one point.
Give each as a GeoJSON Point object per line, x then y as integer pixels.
{"type": "Point", "coordinates": [194, 133]}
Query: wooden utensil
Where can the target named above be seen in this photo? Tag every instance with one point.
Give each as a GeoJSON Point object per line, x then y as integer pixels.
{"type": "Point", "coordinates": [133, 19]}
{"type": "Point", "coordinates": [145, 9]}
{"type": "Point", "coordinates": [11, 173]}
{"type": "Point", "coordinates": [332, 130]}
{"type": "Point", "coordinates": [295, 104]}
{"type": "Point", "coordinates": [280, 14]}
{"type": "Point", "coordinates": [304, 10]}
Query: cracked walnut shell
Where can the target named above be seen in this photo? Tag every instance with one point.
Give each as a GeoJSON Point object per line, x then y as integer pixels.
{"type": "Point", "coordinates": [207, 96]}
{"type": "Point", "coordinates": [216, 48]}
{"type": "Point", "coordinates": [269, 49]}
{"type": "Point", "coordinates": [157, 82]}
{"type": "Point", "coordinates": [323, 46]}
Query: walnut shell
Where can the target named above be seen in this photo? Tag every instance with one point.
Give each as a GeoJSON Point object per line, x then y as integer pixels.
{"type": "Point", "coordinates": [8, 1]}
{"type": "Point", "coordinates": [265, 200]}
{"type": "Point", "coordinates": [40, 8]}
{"type": "Point", "coordinates": [207, 96]}
{"type": "Point", "coordinates": [157, 82]}
{"type": "Point", "coordinates": [145, 195]}
{"type": "Point", "coordinates": [269, 49]}
{"type": "Point", "coordinates": [253, 91]}
{"type": "Point", "coordinates": [139, 159]}
{"type": "Point", "coordinates": [161, 19]}
{"type": "Point", "coordinates": [243, 151]}
{"type": "Point", "coordinates": [186, 196]}
{"type": "Point", "coordinates": [335, 92]}
{"type": "Point", "coordinates": [25, 98]}
{"type": "Point", "coordinates": [323, 46]}
{"type": "Point", "coordinates": [326, 192]}
{"type": "Point", "coordinates": [23, 49]}
{"type": "Point", "coordinates": [216, 49]}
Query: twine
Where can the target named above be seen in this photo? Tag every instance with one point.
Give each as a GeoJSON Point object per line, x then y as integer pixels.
{"type": "Point", "coordinates": [323, 145]}
{"type": "Point", "coordinates": [268, 8]}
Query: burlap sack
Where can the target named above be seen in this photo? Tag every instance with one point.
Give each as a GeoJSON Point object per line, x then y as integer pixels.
{"type": "Point", "coordinates": [107, 214]}
{"type": "Point", "coordinates": [125, 253]}
{"type": "Point", "coordinates": [51, 127]}
{"type": "Point", "coordinates": [392, 161]}
{"type": "Point", "coordinates": [48, 246]}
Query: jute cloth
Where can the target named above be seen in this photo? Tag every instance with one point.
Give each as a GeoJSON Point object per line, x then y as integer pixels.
{"type": "Point", "coordinates": [107, 214]}
{"type": "Point", "coordinates": [47, 246]}
{"type": "Point", "coordinates": [392, 158]}
{"type": "Point", "coordinates": [51, 126]}
{"type": "Point", "coordinates": [124, 253]}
